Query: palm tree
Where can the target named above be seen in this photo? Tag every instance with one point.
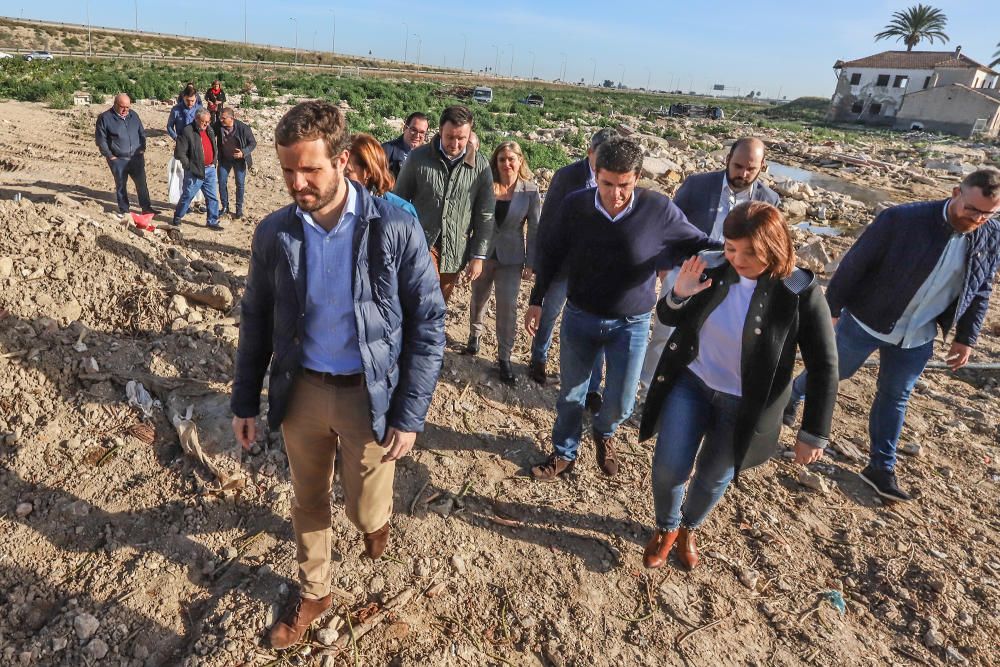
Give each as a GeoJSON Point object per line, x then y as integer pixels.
{"type": "Point", "coordinates": [996, 57]}
{"type": "Point", "coordinates": [915, 25]}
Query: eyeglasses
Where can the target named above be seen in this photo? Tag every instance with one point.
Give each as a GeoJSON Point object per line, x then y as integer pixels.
{"type": "Point", "coordinates": [415, 132]}
{"type": "Point", "coordinates": [976, 213]}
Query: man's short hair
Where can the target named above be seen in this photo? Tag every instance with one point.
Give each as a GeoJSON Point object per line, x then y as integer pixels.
{"type": "Point", "coordinates": [986, 179]}
{"type": "Point", "coordinates": [189, 91]}
{"type": "Point", "coordinates": [308, 121]}
{"type": "Point", "coordinates": [416, 115]}
{"type": "Point", "coordinates": [619, 155]}
{"type": "Point", "coordinates": [457, 114]}
{"type": "Point", "coordinates": [202, 112]}
{"type": "Point", "coordinates": [228, 112]}
{"type": "Point", "coordinates": [601, 136]}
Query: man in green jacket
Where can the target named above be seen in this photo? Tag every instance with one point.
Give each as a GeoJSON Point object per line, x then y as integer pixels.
{"type": "Point", "coordinates": [451, 186]}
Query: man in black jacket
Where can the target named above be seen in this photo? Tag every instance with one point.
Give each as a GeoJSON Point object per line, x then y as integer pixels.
{"type": "Point", "coordinates": [121, 139]}
{"type": "Point", "coordinates": [196, 151]}
{"type": "Point", "coordinates": [236, 146]}
{"type": "Point", "coordinates": [414, 134]}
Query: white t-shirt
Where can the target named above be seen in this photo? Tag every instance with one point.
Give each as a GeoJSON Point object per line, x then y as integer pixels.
{"type": "Point", "coordinates": [720, 342]}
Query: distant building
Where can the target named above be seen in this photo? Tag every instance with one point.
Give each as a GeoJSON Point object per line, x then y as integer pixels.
{"type": "Point", "coordinates": [81, 98]}
{"type": "Point", "coordinates": [906, 88]}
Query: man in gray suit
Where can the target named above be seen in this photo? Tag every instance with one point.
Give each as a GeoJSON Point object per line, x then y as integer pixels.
{"type": "Point", "coordinates": [706, 200]}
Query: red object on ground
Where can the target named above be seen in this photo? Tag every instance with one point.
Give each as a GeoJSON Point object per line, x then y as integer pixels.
{"type": "Point", "coordinates": [144, 221]}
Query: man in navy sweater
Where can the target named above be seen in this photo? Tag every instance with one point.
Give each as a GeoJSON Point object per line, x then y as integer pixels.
{"type": "Point", "coordinates": [611, 239]}
{"type": "Point", "coordinates": [918, 267]}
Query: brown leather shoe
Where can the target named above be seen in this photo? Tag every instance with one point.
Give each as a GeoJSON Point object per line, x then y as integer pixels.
{"type": "Point", "coordinates": [687, 551]}
{"type": "Point", "coordinates": [295, 620]}
{"type": "Point", "coordinates": [606, 454]}
{"type": "Point", "coordinates": [553, 467]}
{"type": "Point", "coordinates": [375, 542]}
{"type": "Point", "coordinates": [658, 548]}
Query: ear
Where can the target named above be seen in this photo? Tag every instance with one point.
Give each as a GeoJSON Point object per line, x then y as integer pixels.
{"type": "Point", "coordinates": [956, 191]}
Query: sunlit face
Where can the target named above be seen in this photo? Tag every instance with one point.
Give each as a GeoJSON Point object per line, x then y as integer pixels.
{"type": "Point", "coordinates": [741, 256]}
{"type": "Point", "coordinates": [970, 209]}
{"type": "Point", "coordinates": [454, 138]}
{"type": "Point", "coordinates": [201, 122]}
{"type": "Point", "coordinates": [356, 171]}
{"type": "Point", "coordinates": [508, 164]}
{"type": "Point", "coordinates": [122, 106]}
{"type": "Point", "coordinates": [189, 102]}
{"type": "Point", "coordinates": [227, 121]}
{"type": "Point", "coordinates": [743, 166]}
{"type": "Point", "coordinates": [313, 178]}
{"type": "Point", "coordinates": [415, 133]}
{"type": "Point", "coordinates": [615, 189]}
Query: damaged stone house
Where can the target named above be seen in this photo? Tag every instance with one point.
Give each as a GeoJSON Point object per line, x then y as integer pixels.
{"type": "Point", "coordinates": [942, 91]}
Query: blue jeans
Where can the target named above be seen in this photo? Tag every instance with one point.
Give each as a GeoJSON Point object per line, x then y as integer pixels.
{"type": "Point", "coordinates": [584, 335]}
{"type": "Point", "coordinates": [240, 171]}
{"type": "Point", "coordinates": [135, 167]}
{"type": "Point", "coordinates": [897, 374]}
{"type": "Point", "coordinates": [208, 187]}
{"type": "Point", "coordinates": [552, 305]}
{"type": "Point", "coordinates": [696, 422]}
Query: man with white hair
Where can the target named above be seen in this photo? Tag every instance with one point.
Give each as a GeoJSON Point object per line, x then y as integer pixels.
{"type": "Point", "coordinates": [196, 151]}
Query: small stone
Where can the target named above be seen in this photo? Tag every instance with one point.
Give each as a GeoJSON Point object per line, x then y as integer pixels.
{"type": "Point", "coordinates": [813, 481]}
{"type": "Point", "coordinates": [59, 273]}
{"type": "Point", "coordinates": [748, 578]}
{"type": "Point", "coordinates": [937, 554]}
{"type": "Point", "coordinates": [179, 305]}
{"type": "Point", "coordinates": [6, 267]}
{"type": "Point", "coordinates": [965, 620]}
{"type": "Point", "coordinates": [947, 472]}
{"type": "Point", "coordinates": [951, 654]}
{"type": "Point", "coordinates": [911, 449]}
{"type": "Point", "coordinates": [933, 638]}
{"type": "Point", "coordinates": [377, 584]}
{"type": "Point", "coordinates": [59, 643]}
{"type": "Point", "coordinates": [96, 649]}
{"type": "Point", "coordinates": [25, 657]}
{"type": "Point", "coordinates": [326, 636]}
{"type": "Point", "coordinates": [85, 626]}
{"type": "Point", "coordinates": [90, 365]}
{"type": "Point", "coordinates": [23, 510]}
{"type": "Point", "coordinates": [459, 564]}
{"type": "Point", "coordinates": [230, 553]}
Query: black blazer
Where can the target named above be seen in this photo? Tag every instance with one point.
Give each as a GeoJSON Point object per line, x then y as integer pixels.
{"type": "Point", "coordinates": [783, 315]}
{"type": "Point", "coordinates": [566, 180]}
{"type": "Point", "coordinates": [244, 140]}
{"type": "Point", "coordinates": [189, 152]}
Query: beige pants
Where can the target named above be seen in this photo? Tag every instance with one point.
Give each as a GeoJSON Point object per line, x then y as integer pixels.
{"type": "Point", "coordinates": [507, 279]}
{"type": "Point", "coordinates": [320, 417]}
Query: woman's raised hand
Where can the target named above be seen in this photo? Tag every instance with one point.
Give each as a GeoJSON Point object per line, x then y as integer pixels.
{"type": "Point", "coordinates": [688, 281]}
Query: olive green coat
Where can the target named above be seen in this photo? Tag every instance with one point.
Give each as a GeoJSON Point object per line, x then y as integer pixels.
{"type": "Point", "coordinates": [455, 207]}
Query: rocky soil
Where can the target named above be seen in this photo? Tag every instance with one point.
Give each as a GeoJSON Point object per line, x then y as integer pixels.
{"type": "Point", "coordinates": [123, 547]}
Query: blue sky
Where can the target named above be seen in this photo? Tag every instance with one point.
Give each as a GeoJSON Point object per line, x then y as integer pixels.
{"type": "Point", "coordinates": [775, 47]}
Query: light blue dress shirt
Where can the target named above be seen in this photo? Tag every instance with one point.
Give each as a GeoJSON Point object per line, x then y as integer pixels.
{"type": "Point", "coordinates": [331, 344]}
{"type": "Point", "coordinates": [625, 211]}
{"type": "Point", "coordinates": [917, 325]}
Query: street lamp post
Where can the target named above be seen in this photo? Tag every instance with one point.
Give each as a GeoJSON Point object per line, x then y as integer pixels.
{"type": "Point", "coordinates": [511, 60]}
{"type": "Point", "coordinates": [593, 75]}
{"type": "Point", "coordinates": [406, 40]}
{"type": "Point", "coordinates": [296, 21]}
{"type": "Point", "coordinates": [465, 47]}
{"type": "Point", "coordinates": [245, 43]}
{"type": "Point", "coordinates": [496, 60]}
{"type": "Point", "coordinates": [621, 79]}
{"type": "Point", "coordinates": [333, 39]}
{"type": "Point", "coordinates": [90, 43]}
{"type": "Point", "coordinates": [531, 76]}
{"type": "Point", "coordinates": [136, 15]}
{"type": "Point", "coordinates": [420, 43]}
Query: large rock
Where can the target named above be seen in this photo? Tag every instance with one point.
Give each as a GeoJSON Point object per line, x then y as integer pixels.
{"type": "Point", "coordinates": [954, 167]}
{"type": "Point", "coordinates": [794, 209]}
{"type": "Point", "coordinates": [814, 256]}
{"type": "Point", "coordinates": [85, 626]}
{"type": "Point", "coordinates": [654, 167]}
{"type": "Point", "coordinates": [215, 296]}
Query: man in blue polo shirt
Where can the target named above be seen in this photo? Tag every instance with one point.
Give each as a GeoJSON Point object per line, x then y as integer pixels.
{"type": "Point", "coordinates": [917, 268]}
{"type": "Point", "coordinates": [612, 239]}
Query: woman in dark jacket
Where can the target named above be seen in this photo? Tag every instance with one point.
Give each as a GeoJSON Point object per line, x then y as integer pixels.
{"type": "Point", "coordinates": [725, 375]}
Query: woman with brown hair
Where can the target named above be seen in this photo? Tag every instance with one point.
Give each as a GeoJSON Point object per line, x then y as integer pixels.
{"type": "Point", "coordinates": [517, 203]}
{"type": "Point", "coordinates": [366, 164]}
{"type": "Point", "coordinates": [724, 378]}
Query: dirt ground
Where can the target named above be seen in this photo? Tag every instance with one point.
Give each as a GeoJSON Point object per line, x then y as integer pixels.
{"type": "Point", "coordinates": [119, 549]}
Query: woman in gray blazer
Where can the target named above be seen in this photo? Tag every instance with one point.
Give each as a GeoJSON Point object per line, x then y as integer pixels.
{"type": "Point", "coordinates": [517, 203]}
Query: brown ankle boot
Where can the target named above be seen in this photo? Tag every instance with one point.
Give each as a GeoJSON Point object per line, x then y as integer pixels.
{"type": "Point", "coordinates": [375, 542]}
{"type": "Point", "coordinates": [295, 620]}
{"type": "Point", "coordinates": [658, 548]}
{"type": "Point", "coordinates": [606, 457]}
{"type": "Point", "coordinates": [552, 467]}
{"type": "Point", "coordinates": [687, 551]}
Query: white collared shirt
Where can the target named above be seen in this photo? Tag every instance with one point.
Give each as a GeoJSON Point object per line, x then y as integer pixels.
{"type": "Point", "coordinates": [625, 211]}
{"type": "Point", "coordinates": [728, 200]}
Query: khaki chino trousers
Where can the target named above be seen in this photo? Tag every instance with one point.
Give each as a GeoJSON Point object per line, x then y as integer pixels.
{"type": "Point", "coordinates": [321, 418]}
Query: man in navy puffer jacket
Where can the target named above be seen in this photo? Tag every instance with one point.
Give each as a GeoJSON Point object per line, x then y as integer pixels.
{"type": "Point", "coordinates": [916, 269]}
{"type": "Point", "coordinates": [343, 302]}
{"type": "Point", "coordinates": [182, 113]}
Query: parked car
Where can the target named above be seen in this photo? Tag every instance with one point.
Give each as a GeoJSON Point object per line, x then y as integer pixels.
{"type": "Point", "coordinates": [482, 94]}
{"type": "Point", "coordinates": [5, 55]}
{"type": "Point", "coordinates": [38, 55]}
{"type": "Point", "coordinates": [533, 100]}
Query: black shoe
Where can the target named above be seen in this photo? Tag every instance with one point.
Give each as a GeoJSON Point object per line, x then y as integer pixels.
{"type": "Point", "coordinates": [147, 211]}
{"type": "Point", "coordinates": [884, 483]}
{"type": "Point", "coordinates": [175, 222]}
{"type": "Point", "coordinates": [536, 371]}
{"type": "Point", "coordinates": [507, 373]}
{"type": "Point", "coordinates": [239, 214]}
{"type": "Point", "coordinates": [472, 347]}
{"type": "Point", "coordinates": [217, 227]}
{"type": "Point", "coordinates": [791, 413]}
{"type": "Point", "coordinates": [593, 402]}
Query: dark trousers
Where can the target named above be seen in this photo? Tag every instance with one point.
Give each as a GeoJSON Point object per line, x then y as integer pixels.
{"type": "Point", "coordinates": [135, 167]}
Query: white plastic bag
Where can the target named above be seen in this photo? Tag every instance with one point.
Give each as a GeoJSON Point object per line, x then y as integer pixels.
{"type": "Point", "coordinates": [175, 183]}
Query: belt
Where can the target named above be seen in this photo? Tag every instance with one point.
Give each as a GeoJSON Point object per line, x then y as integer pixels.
{"type": "Point", "coordinates": [336, 380]}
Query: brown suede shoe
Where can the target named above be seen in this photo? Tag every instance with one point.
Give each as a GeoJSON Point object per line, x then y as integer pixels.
{"type": "Point", "coordinates": [553, 467]}
{"type": "Point", "coordinates": [658, 548]}
{"type": "Point", "coordinates": [375, 542]}
{"type": "Point", "coordinates": [295, 620]}
{"type": "Point", "coordinates": [687, 551]}
{"type": "Point", "coordinates": [605, 454]}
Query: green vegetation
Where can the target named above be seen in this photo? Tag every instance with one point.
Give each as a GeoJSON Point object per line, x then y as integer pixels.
{"type": "Point", "coordinates": [915, 25]}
